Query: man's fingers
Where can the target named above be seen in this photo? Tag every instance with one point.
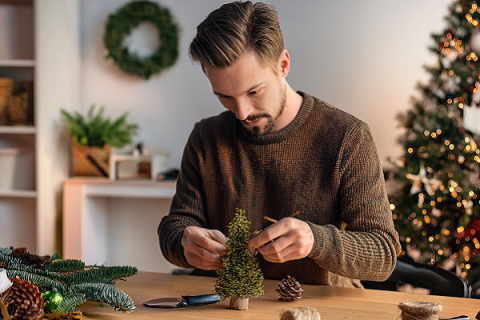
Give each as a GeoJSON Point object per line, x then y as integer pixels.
{"type": "Point", "coordinates": [200, 257]}
{"type": "Point", "coordinates": [218, 236]}
{"type": "Point", "coordinates": [271, 233]}
{"type": "Point", "coordinates": [276, 246]}
{"type": "Point", "coordinates": [203, 248]}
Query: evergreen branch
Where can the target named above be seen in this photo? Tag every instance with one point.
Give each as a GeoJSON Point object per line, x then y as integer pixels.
{"type": "Point", "coordinates": [43, 282]}
{"type": "Point", "coordinates": [65, 265]}
{"type": "Point", "coordinates": [100, 274]}
{"type": "Point", "coordinates": [107, 294]}
{"type": "Point", "coordinates": [70, 302]}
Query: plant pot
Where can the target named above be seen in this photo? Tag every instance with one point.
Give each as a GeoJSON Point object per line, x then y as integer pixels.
{"type": "Point", "coordinates": [90, 161]}
{"type": "Point", "coordinates": [239, 303]}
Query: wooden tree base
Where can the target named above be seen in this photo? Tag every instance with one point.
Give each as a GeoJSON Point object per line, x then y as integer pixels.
{"type": "Point", "coordinates": [239, 303]}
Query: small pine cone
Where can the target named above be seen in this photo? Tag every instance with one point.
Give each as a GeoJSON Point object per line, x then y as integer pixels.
{"type": "Point", "coordinates": [31, 259]}
{"type": "Point", "coordinates": [23, 300]}
{"type": "Point", "coordinates": [289, 289]}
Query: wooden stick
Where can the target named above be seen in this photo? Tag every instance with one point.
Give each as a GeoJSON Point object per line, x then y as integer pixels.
{"type": "Point", "coordinates": [275, 221]}
{"type": "Point", "coordinates": [270, 219]}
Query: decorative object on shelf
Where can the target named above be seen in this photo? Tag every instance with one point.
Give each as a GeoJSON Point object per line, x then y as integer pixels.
{"type": "Point", "coordinates": [92, 136]}
{"type": "Point", "coordinates": [76, 282]}
{"type": "Point", "coordinates": [6, 90]}
{"type": "Point", "coordinates": [300, 313]}
{"type": "Point", "coordinates": [16, 102]}
{"type": "Point", "coordinates": [23, 300]}
{"type": "Point", "coordinates": [239, 261]}
{"type": "Point", "coordinates": [139, 162]}
{"type": "Point", "coordinates": [171, 174]}
{"type": "Point", "coordinates": [417, 309]}
{"type": "Point", "coordinates": [289, 289]}
{"type": "Point", "coordinates": [120, 25]}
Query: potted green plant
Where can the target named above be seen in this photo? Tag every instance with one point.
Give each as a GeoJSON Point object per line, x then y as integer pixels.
{"type": "Point", "coordinates": [92, 136]}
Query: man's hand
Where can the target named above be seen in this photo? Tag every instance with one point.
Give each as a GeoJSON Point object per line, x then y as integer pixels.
{"type": "Point", "coordinates": [288, 239]}
{"type": "Point", "coordinates": [203, 247]}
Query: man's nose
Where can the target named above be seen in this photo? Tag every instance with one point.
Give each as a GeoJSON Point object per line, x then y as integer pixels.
{"type": "Point", "coordinates": [243, 109]}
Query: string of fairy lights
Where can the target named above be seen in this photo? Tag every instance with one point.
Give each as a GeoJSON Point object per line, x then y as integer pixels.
{"type": "Point", "coordinates": [463, 151]}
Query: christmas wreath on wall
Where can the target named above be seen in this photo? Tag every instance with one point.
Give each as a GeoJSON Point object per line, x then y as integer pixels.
{"type": "Point", "coordinates": [121, 24]}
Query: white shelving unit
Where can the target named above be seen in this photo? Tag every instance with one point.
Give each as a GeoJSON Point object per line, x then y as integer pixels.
{"type": "Point", "coordinates": [39, 42]}
{"type": "Point", "coordinates": [18, 159]}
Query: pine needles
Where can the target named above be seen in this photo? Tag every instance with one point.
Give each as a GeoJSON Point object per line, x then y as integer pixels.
{"type": "Point", "coordinates": [76, 282]}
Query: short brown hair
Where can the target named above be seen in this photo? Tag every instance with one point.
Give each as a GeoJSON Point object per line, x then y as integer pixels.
{"type": "Point", "coordinates": [236, 28]}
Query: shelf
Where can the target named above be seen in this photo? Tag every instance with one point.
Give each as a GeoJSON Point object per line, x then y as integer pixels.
{"type": "Point", "coordinates": [18, 193]}
{"type": "Point", "coordinates": [17, 63]}
{"type": "Point", "coordinates": [18, 130]}
{"type": "Point", "coordinates": [104, 187]}
{"type": "Point", "coordinates": [17, 2]}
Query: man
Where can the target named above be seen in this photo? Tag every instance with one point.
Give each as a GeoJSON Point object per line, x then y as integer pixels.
{"type": "Point", "coordinates": [276, 152]}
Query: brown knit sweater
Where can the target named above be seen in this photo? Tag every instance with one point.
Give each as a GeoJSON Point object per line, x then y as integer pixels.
{"type": "Point", "coordinates": [324, 164]}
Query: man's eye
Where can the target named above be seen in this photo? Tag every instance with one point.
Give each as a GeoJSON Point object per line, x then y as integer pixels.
{"type": "Point", "coordinates": [252, 93]}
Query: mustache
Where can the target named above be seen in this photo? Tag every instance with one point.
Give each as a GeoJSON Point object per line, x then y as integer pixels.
{"type": "Point", "coordinates": [257, 116]}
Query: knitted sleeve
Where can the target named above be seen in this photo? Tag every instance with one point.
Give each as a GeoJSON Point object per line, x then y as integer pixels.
{"type": "Point", "coordinates": [187, 208]}
{"type": "Point", "coordinates": [368, 247]}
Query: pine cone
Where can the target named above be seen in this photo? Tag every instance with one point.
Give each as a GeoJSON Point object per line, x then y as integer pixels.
{"type": "Point", "coordinates": [31, 259]}
{"type": "Point", "coordinates": [23, 300]}
{"type": "Point", "coordinates": [289, 289]}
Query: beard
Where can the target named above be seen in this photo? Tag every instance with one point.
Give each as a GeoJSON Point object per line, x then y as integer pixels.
{"type": "Point", "coordinates": [270, 125]}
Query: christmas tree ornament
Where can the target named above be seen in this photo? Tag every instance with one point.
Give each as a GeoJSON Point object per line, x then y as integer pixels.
{"type": "Point", "coordinates": [468, 205]}
{"type": "Point", "coordinates": [23, 300]}
{"type": "Point", "coordinates": [421, 199]}
{"type": "Point", "coordinates": [240, 276]}
{"type": "Point", "coordinates": [51, 301]}
{"type": "Point", "coordinates": [475, 41]}
{"type": "Point", "coordinates": [471, 119]}
{"type": "Point", "coordinates": [430, 185]}
{"type": "Point", "coordinates": [289, 289]}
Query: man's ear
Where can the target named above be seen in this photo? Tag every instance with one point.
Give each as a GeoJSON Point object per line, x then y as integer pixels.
{"type": "Point", "coordinates": [283, 65]}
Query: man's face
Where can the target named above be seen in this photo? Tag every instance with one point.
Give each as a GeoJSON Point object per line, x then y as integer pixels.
{"type": "Point", "coordinates": [252, 91]}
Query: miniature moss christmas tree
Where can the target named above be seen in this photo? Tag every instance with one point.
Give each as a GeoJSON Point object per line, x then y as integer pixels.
{"type": "Point", "coordinates": [240, 276]}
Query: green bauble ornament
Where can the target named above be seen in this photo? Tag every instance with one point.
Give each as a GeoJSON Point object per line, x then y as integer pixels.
{"type": "Point", "coordinates": [51, 300]}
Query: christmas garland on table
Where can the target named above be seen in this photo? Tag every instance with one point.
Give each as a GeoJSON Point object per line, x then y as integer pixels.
{"type": "Point", "coordinates": [75, 282]}
{"type": "Point", "coordinates": [120, 25]}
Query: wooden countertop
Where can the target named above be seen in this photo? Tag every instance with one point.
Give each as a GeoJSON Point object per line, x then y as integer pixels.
{"type": "Point", "coordinates": [331, 302]}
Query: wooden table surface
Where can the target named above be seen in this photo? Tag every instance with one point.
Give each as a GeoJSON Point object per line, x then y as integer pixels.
{"type": "Point", "coordinates": [331, 302]}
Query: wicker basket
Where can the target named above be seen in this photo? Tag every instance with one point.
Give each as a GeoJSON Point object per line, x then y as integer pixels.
{"type": "Point", "coordinates": [6, 90]}
{"type": "Point", "coordinates": [18, 109]}
{"type": "Point", "coordinates": [90, 161]}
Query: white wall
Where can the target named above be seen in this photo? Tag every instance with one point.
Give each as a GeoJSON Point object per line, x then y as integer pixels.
{"type": "Point", "coordinates": [364, 57]}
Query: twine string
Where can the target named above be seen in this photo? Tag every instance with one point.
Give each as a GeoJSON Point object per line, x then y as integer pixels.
{"type": "Point", "coordinates": [419, 310]}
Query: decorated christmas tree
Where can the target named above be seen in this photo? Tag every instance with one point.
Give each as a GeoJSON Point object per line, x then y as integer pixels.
{"type": "Point", "coordinates": [240, 276]}
{"type": "Point", "coordinates": [435, 199]}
